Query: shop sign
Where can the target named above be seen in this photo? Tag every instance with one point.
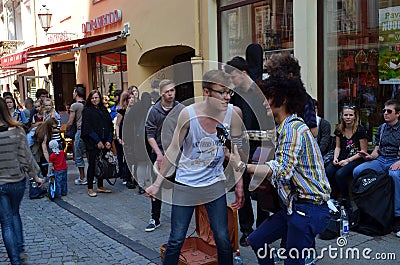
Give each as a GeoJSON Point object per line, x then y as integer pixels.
{"type": "Point", "coordinates": [60, 37]}
{"type": "Point", "coordinates": [389, 45]}
{"type": "Point", "coordinates": [102, 21]}
{"type": "Point", "coordinates": [14, 59]}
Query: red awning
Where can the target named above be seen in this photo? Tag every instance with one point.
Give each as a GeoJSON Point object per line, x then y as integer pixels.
{"type": "Point", "coordinates": [39, 52]}
{"type": "Point", "coordinates": [13, 59]}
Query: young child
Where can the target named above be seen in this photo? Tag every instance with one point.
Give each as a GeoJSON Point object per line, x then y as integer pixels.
{"type": "Point", "coordinates": [58, 164]}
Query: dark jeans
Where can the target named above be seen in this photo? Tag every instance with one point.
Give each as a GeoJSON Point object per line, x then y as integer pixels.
{"type": "Point", "coordinates": [338, 177]}
{"type": "Point", "coordinates": [299, 229]}
{"type": "Point", "coordinates": [120, 157]}
{"type": "Point", "coordinates": [156, 204]}
{"type": "Point", "coordinates": [11, 195]}
{"type": "Point", "coordinates": [246, 216]}
{"type": "Point", "coordinates": [91, 155]}
{"type": "Point", "coordinates": [180, 220]}
{"type": "Point", "coordinates": [60, 177]}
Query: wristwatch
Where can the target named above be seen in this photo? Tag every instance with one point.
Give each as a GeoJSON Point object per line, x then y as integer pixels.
{"type": "Point", "coordinates": [241, 167]}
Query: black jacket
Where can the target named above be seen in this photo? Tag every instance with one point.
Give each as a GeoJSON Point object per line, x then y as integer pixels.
{"type": "Point", "coordinates": [96, 126]}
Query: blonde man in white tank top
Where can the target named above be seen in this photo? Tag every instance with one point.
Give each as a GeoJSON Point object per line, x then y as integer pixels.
{"type": "Point", "coordinates": [200, 175]}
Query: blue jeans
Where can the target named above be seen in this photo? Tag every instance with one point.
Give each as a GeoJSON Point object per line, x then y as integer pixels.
{"type": "Point", "coordinates": [381, 165]}
{"type": "Point", "coordinates": [79, 148]}
{"type": "Point", "coordinates": [11, 195]}
{"type": "Point", "coordinates": [338, 177]}
{"type": "Point", "coordinates": [299, 229]}
{"type": "Point", "coordinates": [180, 220]}
{"type": "Point", "coordinates": [61, 182]}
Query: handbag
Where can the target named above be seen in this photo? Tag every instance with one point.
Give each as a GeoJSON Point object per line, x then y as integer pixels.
{"type": "Point", "coordinates": [106, 167]}
{"type": "Point", "coordinates": [70, 133]}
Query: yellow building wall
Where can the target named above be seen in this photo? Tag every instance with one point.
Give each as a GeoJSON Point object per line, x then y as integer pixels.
{"type": "Point", "coordinates": [153, 24]}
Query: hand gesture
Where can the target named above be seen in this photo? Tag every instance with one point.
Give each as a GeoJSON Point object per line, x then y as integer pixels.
{"type": "Point", "coordinates": [239, 195]}
{"type": "Point", "coordinates": [152, 191]}
{"type": "Point", "coordinates": [100, 145]}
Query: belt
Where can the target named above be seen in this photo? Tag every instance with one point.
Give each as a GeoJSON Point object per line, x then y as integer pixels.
{"type": "Point", "coordinates": [308, 201]}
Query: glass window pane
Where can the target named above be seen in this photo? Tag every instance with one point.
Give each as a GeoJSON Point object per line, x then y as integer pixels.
{"type": "Point", "coordinates": [268, 23]}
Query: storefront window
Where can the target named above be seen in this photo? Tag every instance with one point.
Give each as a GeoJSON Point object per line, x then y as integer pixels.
{"type": "Point", "coordinates": [362, 58]}
{"type": "Point", "coordinates": [110, 72]}
{"type": "Point", "coordinates": [268, 23]}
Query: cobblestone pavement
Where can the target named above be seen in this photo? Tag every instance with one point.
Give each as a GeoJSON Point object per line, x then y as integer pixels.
{"type": "Point", "coordinates": [109, 229]}
{"type": "Point", "coordinates": [54, 235]}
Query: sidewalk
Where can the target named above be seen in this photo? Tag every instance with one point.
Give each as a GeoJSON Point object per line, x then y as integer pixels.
{"type": "Point", "coordinates": [123, 215]}
{"type": "Point", "coordinates": [128, 213]}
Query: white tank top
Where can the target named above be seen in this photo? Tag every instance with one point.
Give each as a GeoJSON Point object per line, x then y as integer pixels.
{"type": "Point", "coordinates": [201, 161]}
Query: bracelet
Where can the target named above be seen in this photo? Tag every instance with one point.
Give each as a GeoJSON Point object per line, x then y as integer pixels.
{"type": "Point", "coordinates": [241, 167]}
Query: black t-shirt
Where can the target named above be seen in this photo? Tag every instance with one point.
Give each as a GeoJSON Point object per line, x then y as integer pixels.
{"type": "Point", "coordinates": [122, 112]}
{"type": "Point", "coordinates": [350, 147]}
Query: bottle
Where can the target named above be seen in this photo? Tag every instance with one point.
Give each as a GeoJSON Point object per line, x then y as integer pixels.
{"type": "Point", "coordinates": [344, 223]}
{"type": "Point", "coordinates": [237, 260]}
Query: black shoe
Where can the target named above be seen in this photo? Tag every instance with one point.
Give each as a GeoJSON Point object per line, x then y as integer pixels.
{"type": "Point", "coordinates": [141, 191]}
{"type": "Point", "coordinates": [243, 240]}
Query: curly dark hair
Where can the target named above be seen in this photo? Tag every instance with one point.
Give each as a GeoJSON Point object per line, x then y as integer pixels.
{"type": "Point", "coordinates": [283, 65]}
{"type": "Point", "coordinates": [288, 91]}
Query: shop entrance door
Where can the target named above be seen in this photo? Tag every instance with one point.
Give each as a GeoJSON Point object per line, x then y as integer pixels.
{"type": "Point", "coordinates": [64, 80]}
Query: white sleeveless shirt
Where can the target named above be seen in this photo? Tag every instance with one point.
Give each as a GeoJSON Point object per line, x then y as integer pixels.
{"type": "Point", "coordinates": [201, 161]}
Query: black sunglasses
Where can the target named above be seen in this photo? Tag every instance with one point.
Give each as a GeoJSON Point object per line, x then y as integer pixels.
{"type": "Point", "coordinates": [353, 107]}
{"type": "Point", "coordinates": [389, 111]}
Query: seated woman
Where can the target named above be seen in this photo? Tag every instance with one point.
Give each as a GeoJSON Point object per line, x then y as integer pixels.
{"type": "Point", "coordinates": [351, 138]}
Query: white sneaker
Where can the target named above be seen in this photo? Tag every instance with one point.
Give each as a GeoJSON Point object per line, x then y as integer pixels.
{"type": "Point", "coordinates": [398, 233]}
{"type": "Point", "coordinates": [79, 181]}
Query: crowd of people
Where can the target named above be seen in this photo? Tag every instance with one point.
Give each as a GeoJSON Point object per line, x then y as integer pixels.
{"type": "Point", "coordinates": [308, 168]}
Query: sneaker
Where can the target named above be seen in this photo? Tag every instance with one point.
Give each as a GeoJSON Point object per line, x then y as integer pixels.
{"type": "Point", "coordinates": [152, 225]}
{"type": "Point", "coordinates": [124, 182]}
{"type": "Point", "coordinates": [398, 234]}
{"type": "Point", "coordinates": [79, 181]}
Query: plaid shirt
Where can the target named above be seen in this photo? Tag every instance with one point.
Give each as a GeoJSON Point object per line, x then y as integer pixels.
{"type": "Point", "coordinates": [298, 167]}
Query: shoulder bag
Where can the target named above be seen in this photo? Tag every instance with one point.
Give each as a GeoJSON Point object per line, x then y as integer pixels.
{"type": "Point", "coordinates": [106, 167]}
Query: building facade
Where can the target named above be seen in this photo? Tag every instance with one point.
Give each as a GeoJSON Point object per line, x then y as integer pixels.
{"type": "Point", "coordinates": [348, 49]}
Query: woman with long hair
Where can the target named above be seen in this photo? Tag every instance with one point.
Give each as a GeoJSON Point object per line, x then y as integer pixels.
{"type": "Point", "coordinates": [97, 133]}
{"type": "Point", "coordinates": [126, 102]}
{"type": "Point", "coordinates": [16, 160]}
{"type": "Point", "coordinates": [351, 138]}
{"type": "Point", "coordinates": [15, 113]}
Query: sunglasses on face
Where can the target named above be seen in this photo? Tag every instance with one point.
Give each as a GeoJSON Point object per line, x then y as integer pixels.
{"type": "Point", "coordinates": [389, 111]}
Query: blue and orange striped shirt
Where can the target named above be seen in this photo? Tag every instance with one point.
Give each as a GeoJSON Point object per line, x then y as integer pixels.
{"type": "Point", "coordinates": [298, 167]}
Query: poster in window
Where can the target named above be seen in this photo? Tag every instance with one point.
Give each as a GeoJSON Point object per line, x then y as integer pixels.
{"type": "Point", "coordinates": [232, 25]}
{"type": "Point", "coordinates": [262, 24]}
{"type": "Point", "coordinates": [389, 45]}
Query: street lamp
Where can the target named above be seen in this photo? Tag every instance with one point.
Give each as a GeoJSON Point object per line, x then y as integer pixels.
{"type": "Point", "coordinates": [45, 18]}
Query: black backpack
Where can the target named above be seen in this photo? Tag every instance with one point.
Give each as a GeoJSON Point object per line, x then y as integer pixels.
{"type": "Point", "coordinates": [373, 194]}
